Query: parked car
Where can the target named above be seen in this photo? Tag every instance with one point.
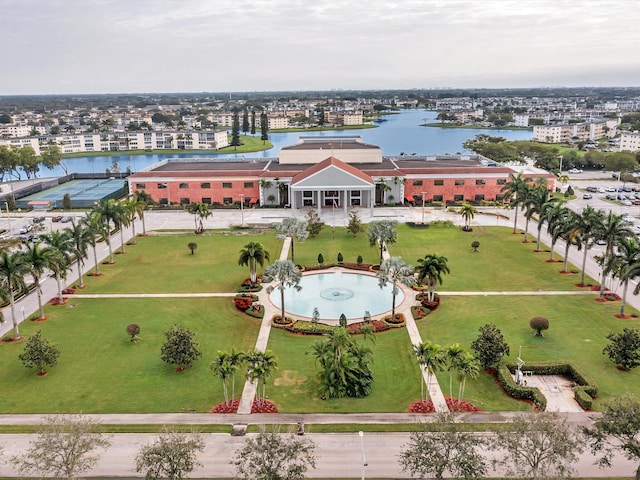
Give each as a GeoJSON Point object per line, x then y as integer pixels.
{"type": "Point", "coordinates": [592, 189]}
{"type": "Point", "coordinates": [601, 190]}
{"type": "Point", "coordinates": [600, 241]}
{"type": "Point", "coordinates": [626, 203]}
{"type": "Point", "coordinates": [575, 170]}
{"type": "Point", "coordinates": [38, 219]}
{"type": "Point", "coordinates": [56, 218]}
{"type": "Point", "coordinates": [611, 189]}
{"type": "Point", "coordinates": [65, 219]}
{"type": "Point", "coordinates": [587, 196]}
{"type": "Point", "coordinates": [26, 229]}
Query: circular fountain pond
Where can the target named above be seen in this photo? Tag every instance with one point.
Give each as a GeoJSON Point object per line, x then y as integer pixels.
{"type": "Point", "coordinates": [336, 293]}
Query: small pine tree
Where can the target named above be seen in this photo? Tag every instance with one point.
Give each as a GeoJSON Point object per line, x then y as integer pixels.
{"type": "Point", "coordinates": [314, 225]}
{"type": "Point", "coordinates": [253, 122]}
{"type": "Point", "coordinates": [340, 257]}
{"type": "Point", "coordinates": [235, 131]}
{"type": "Point", "coordinates": [359, 260]}
{"type": "Point", "coordinates": [343, 320]}
{"type": "Point", "coordinates": [264, 127]}
{"type": "Point", "coordinates": [569, 192]}
{"type": "Point", "coordinates": [355, 224]}
{"type": "Point", "coordinates": [316, 315]}
{"type": "Point", "coordinates": [320, 259]}
{"type": "Point", "coordinates": [245, 121]}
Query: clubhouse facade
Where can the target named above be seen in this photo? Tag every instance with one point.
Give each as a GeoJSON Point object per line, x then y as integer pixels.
{"type": "Point", "coordinates": [329, 172]}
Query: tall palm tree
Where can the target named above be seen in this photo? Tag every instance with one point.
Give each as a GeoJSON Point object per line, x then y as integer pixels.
{"type": "Point", "coordinates": [541, 201]}
{"type": "Point", "coordinates": [253, 254]}
{"type": "Point", "coordinates": [527, 202]}
{"type": "Point", "coordinates": [287, 275]}
{"type": "Point", "coordinates": [571, 234]}
{"type": "Point", "coordinates": [82, 237]}
{"type": "Point", "coordinates": [454, 354]}
{"type": "Point", "coordinates": [467, 366]}
{"type": "Point", "coordinates": [13, 268]}
{"type": "Point", "coordinates": [107, 213]}
{"type": "Point", "coordinates": [382, 233]}
{"type": "Point", "coordinates": [431, 359]}
{"type": "Point", "coordinates": [260, 366]}
{"type": "Point", "coordinates": [39, 259]}
{"type": "Point", "coordinates": [234, 359]}
{"type": "Point", "coordinates": [121, 220]}
{"type": "Point", "coordinates": [467, 211]}
{"type": "Point", "coordinates": [62, 242]}
{"type": "Point", "coordinates": [145, 199]}
{"type": "Point", "coordinates": [134, 207]}
{"type": "Point", "coordinates": [430, 271]}
{"type": "Point", "coordinates": [625, 265]}
{"type": "Point", "coordinates": [222, 369]}
{"type": "Point", "coordinates": [513, 191]}
{"type": "Point", "coordinates": [394, 271]}
{"type": "Point", "coordinates": [98, 231]}
{"type": "Point", "coordinates": [294, 228]}
{"type": "Point", "coordinates": [553, 215]}
{"type": "Point", "coordinates": [612, 230]}
{"type": "Point", "coordinates": [200, 211]}
{"type": "Point", "coordinates": [589, 224]}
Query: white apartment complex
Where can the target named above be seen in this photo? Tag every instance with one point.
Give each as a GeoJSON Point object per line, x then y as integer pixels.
{"type": "Point", "coordinates": [630, 141]}
{"type": "Point", "coordinates": [565, 133]}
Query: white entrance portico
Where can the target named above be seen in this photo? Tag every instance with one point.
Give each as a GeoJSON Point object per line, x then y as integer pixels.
{"type": "Point", "coordinates": [332, 183]}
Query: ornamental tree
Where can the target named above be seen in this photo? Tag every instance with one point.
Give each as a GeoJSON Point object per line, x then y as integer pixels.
{"type": "Point", "coordinates": [624, 349]}
{"type": "Point", "coordinates": [39, 353]}
{"type": "Point", "coordinates": [180, 349]}
{"type": "Point", "coordinates": [539, 324]}
{"type": "Point", "coordinates": [490, 346]}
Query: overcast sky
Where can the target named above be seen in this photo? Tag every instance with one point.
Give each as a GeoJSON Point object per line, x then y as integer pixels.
{"type": "Point", "coordinates": [112, 46]}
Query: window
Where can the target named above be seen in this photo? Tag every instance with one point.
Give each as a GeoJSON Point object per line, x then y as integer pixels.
{"type": "Point", "coordinates": [185, 201]}
{"type": "Point", "coordinates": [458, 198]}
{"type": "Point", "coordinates": [141, 186]}
{"type": "Point", "coordinates": [227, 185]}
{"type": "Point", "coordinates": [437, 198]}
{"type": "Point", "coordinates": [248, 184]}
{"type": "Point", "coordinates": [307, 194]}
{"type": "Point", "coordinates": [479, 198]}
{"type": "Point", "coordinates": [227, 200]}
{"type": "Point", "coordinates": [480, 182]}
{"type": "Point", "coordinates": [162, 185]}
{"type": "Point", "coordinates": [163, 201]}
{"type": "Point", "coordinates": [355, 193]}
{"type": "Point", "coordinates": [459, 181]}
{"type": "Point", "coordinates": [500, 196]}
{"type": "Point", "coordinates": [184, 185]}
{"type": "Point", "coordinates": [417, 183]}
{"type": "Point", "coordinates": [205, 185]}
{"type": "Point", "coordinates": [206, 200]}
{"type": "Point", "coordinates": [438, 182]}
{"type": "Point", "coordinates": [501, 181]}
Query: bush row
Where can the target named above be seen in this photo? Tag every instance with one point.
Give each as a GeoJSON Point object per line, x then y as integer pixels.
{"type": "Point", "coordinates": [348, 265]}
{"type": "Point", "coordinates": [520, 391]}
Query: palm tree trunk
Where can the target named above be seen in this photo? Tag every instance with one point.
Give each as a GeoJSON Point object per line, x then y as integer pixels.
{"type": "Point", "coordinates": [36, 280]}
{"type": "Point", "coordinates": [553, 244]}
{"type": "Point", "coordinates": [526, 231]}
{"type": "Point", "coordinates": [80, 281]}
{"type": "Point", "coordinates": [538, 241]}
{"type": "Point", "coordinates": [292, 252]}
{"type": "Point", "coordinates": [624, 297]}
{"type": "Point", "coordinates": [95, 259]}
{"type": "Point", "coordinates": [59, 285]}
{"type": "Point", "coordinates": [584, 260]}
{"type": "Point", "coordinates": [282, 303]}
{"type": "Point", "coordinates": [122, 250]}
{"type": "Point", "coordinates": [144, 226]}
{"type": "Point", "coordinates": [14, 320]}
{"type": "Point", "coordinates": [110, 249]}
{"type": "Point", "coordinates": [602, 284]}
{"type": "Point", "coordinates": [515, 220]}
{"type": "Point", "coordinates": [252, 270]}
{"type": "Point", "coordinates": [133, 231]}
{"type": "Point", "coordinates": [566, 256]}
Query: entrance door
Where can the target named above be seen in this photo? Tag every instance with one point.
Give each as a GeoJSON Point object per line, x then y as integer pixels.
{"type": "Point", "coordinates": [331, 198]}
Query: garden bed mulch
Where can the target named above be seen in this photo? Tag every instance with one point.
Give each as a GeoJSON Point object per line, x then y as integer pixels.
{"type": "Point", "coordinates": [453, 404]}
{"type": "Point", "coordinates": [259, 406]}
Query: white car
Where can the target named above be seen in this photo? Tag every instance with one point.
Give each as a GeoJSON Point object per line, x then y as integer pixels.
{"type": "Point", "coordinates": [626, 203]}
{"type": "Point", "coordinates": [611, 189]}
{"type": "Point", "coordinates": [601, 190]}
{"type": "Point", "coordinates": [575, 170]}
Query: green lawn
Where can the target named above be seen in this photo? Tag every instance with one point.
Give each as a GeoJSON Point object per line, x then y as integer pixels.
{"type": "Point", "coordinates": [101, 371]}
{"type": "Point", "coordinates": [164, 264]}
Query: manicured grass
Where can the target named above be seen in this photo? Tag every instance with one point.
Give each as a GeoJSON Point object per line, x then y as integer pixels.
{"type": "Point", "coordinates": [332, 241]}
{"type": "Point", "coordinates": [577, 333]}
{"type": "Point", "coordinates": [101, 371]}
{"type": "Point", "coordinates": [502, 262]}
{"type": "Point", "coordinates": [249, 144]}
{"type": "Point", "coordinates": [295, 388]}
{"type": "Point", "coordinates": [164, 264]}
{"type": "Point", "coordinates": [323, 129]}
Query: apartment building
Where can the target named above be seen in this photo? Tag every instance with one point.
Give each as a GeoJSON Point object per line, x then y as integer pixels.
{"type": "Point", "coordinates": [630, 141]}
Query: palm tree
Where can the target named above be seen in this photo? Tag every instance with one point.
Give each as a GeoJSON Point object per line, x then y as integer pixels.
{"type": "Point", "coordinates": [540, 201]}
{"type": "Point", "coordinates": [134, 207]}
{"type": "Point", "coordinates": [234, 359]}
{"type": "Point", "coordinates": [13, 268]}
{"type": "Point", "coordinates": [382, 233]}
{"type": "Point", "coordinates": [625, 265]}
{"type": "Point", "coordinates": [260, 366]}
{"type": "Point", "coordinates": [467, 366]}
{"type": "Point", "coordinates": [454, 354]}
{"type": "Point", "coordinates": [39, 259]}
{"type": "Point", "coordinates": [570, 233]}
{"type": "Point", "coordinates": [287, 275]}
{"type": "Point", "coordinates": [221, 368]}
{"type": "Point", "coordinates": [430, 272]}
{"type": "Point", "coordinates": [121, 220]}
{"type": "Point", "coordinates": [82, 237]}
{"type": "Point", "coordinates": [146, 200]}
{"type": "Point", "coordinates": [467, 211]}
{"type": "Point", "coordinates": [527, 203]}
{"type": "Point", "coordinates": [200, 212]}
{"type": "Point", "coordinates": [62, 242]}
{"type": "Point", "coordinates": [395, 270]}
{"type": "Point", "coordinates": [107, 213]}
{"type": "Point", "coordinates": [589, 224]}
{"type": "Point", "coordinates": [293, 228]}
{"type": "Point", "coordinates": [514, 190]}
{"type": "Point", "coordinates": [552, 214]}
{"type": "Point", "coordinates": [253, 254]}
{"type": "Point", "coordinates": [563, 179]}
{"type": "Point", "coordinates": [97, 231]}
{"type": "Point", "coordinates": [612, 230]}
{"type": "Point", "coordinates": [431, 359]}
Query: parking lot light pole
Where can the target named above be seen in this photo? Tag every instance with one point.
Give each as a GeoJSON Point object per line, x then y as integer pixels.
{"type": "Point", "coordinates": [242, 209]}
{"type": "Point", "coordinates": [424, 194]}
{"type": "Point", "coordinates": [364, 459]}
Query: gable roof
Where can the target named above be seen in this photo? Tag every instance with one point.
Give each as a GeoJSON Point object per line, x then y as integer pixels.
{"type": "Point", "coordinates": [331, 168]}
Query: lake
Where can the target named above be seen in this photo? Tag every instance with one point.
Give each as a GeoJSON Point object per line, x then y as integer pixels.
{"type": "Point", "coordinates": [396, 134]}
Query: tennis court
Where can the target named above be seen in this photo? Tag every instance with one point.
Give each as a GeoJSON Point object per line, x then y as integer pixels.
{"type": "Point", "coordinates": [83, 193]}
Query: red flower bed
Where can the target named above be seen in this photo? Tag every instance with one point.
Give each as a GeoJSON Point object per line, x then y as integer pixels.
{"type": "Point", "coordinates": [452, 403]}
{"type": "Point", "coordinates": [242, 303]}
{"type": "Point", "coordinates": [377, 325]}
{"type": "Point", "coordinates": [259, 406]}
{"type": "Point", "coordinates": [68, 291]}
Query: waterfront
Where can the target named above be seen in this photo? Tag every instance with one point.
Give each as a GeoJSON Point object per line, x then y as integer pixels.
{"type": "Point", "coordinates": [396, 134]}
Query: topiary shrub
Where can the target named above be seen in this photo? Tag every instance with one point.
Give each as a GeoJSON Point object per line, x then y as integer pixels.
{"type": "Point", "coordinates": [192, 246]}
{"type": "Point", "coordinates": [340, 257]}
{"type": "Point", "coordinates": [343, 320]}
{"type": "Point", "coordinates": [359, 260]}
{"type": "Point", "coordinates": [320, 259]}
{"type": "Point", "coordinates": [539, 324]}
{"type": "Point", "coordinates": [475, 245]}
{"type": "Point", "coordinates": [133, 329]}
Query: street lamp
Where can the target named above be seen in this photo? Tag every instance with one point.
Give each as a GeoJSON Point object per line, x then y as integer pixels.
{"type": "Point", "coordinates": [242, 209]}
{"type": "Point", "coordinates": [560, 164]}
{"type": "Point", "coordinates": [6, 204]}
{"type": "Point", "coordinates": [364, 459]}
{"type": "Point", "coordinates": [424, 194]}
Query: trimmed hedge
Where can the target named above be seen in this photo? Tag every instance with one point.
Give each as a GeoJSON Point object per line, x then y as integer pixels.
{"type": "Point", "coordinates": [583, 398]}
{"type": "Point", "coordinates": [306, 328]}
{"type": "Point", "coordinates": [249, 288]}
{"type": "Point", "coordinates": [419, 312]}
{"type": "Point", "coordinates": [256, 314]}
{"type": "Point", "coordinates": [520, 391]}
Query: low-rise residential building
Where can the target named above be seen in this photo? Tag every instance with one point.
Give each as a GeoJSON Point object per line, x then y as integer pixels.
{"type": "Point", "coordinates": [630, 141]}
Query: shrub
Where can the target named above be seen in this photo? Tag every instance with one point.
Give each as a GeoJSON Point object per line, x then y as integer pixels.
{"type": "Point", "coordinates": [519, 391]}
{"type": "Point", "coordinates": [256, 311]}
{"type": "Point", "coordinates": [242, 303]}
{"type": "Point", "coordinates": [475, 245]}
{"type": "Point", "coordinates": [419, 312]}
{"type": "Point", "coordinates": [359, 260]}
{"type": "Point", "coordinates": [583, 398]}
{"type": "Point", "coordinates": [340, 257]}
{"type": "Point", "coordinates": [539, 324]}
{"type": "Point", "coordinates": [192, 246]}
{"type": "Point", "coordinates": [399, 320]}
{"type": "Point", "coordinates": [250, 288]}
{"type": "Point", "coordinates": [320, 259]}
{"type": "Point", "coordinates": [307, 328]}
{"type": "Point", "coordinates": [133, 329]}
{"type": "Point", "coordinates": [277, 320]}
{"type": "Point", "coordinates": [343, 320]}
